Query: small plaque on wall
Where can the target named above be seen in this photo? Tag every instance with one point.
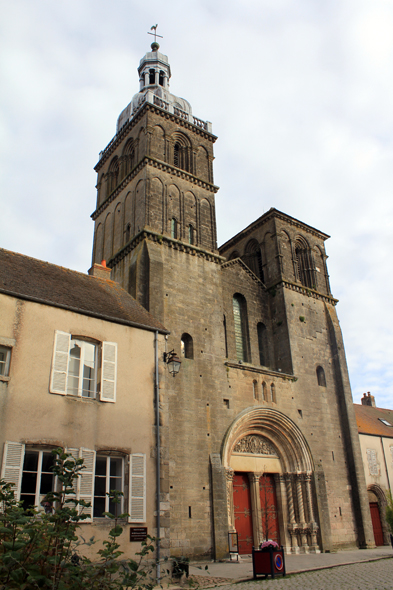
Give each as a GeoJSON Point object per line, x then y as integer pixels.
{"type": "Point", "coordinates": [138, 533]}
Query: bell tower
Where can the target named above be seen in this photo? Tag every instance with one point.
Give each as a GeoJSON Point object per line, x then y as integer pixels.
{"type": "Point", "coordinates": [155, 185]}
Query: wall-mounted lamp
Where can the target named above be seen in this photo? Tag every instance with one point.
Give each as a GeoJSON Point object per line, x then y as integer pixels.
{"type": "Point", "coordinates": [173, 362]}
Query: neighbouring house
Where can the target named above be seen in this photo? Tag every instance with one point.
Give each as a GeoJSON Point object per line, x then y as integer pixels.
{"type": "Point", "coordinates": [77, 367]}
{"type": "Point", "coordinates": [375, 426]}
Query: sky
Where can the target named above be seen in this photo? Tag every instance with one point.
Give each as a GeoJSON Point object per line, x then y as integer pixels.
{"type": "Point", "coordinates": [300, 95]}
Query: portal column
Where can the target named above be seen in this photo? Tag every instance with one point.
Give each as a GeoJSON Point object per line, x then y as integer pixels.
{"type": "Point", "coordinates": [229, 473]}
{"type": "Point", "coordinates": [302, 518]}
{"type": "Point", "coordinates": [256, 508]}
{"type": "Point", "coordinates": [313, 525]}
{"type": "Point", "coordinates": [292, 527]}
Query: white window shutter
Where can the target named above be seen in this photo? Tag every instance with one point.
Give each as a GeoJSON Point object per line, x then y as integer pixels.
{"type": "Point", "coordinates": [108, 372]}
{"type": "Point", "coordinates": [58, 380]}
{"type": "Point", "coordinates": [137, 488]}
{"type": "Point", "coordinates": [11, 470]}
{"type": "Point", "coordinates": [86, 481]}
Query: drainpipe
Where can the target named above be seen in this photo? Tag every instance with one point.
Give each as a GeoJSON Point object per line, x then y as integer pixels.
{"type": "Point", "coordinates": [158, 458]}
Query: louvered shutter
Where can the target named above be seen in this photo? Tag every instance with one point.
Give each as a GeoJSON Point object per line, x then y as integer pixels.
{"type": "Point", "coordinates": [74, 496]}
{"type": "Point", "coordinates": [109, 371]}
{"type": "Point", "coordinates": [11, 470]}
{"type": "Point", "coordinates": [86, 481]}
{"type": "Point", "coordinates": [58, 381]}
{"type": "Point", "coordinates": [137, 488]}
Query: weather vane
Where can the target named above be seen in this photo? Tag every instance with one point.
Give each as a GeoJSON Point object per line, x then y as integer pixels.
{"type": "Point", "coordinates": [154, 28]}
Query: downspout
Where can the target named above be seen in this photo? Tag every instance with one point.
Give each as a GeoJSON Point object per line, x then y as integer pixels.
{"type": "Point", "coordinates": [158, 457]}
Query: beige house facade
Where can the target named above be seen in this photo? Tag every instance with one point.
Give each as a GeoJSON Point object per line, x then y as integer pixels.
{"type": "Point", "coordinates": [375, 426]}
{"type": "Point", "coordinates": [77, 366]}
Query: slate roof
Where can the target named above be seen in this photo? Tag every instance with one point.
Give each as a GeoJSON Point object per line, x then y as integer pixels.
{"type": "Point", "coordinates": [368, 420]}
{"type": "Point", "coordinates": [42, 282]}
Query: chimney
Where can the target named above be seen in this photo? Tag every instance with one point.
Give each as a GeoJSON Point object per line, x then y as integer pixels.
{"type": "Point", "coordinates": [100, 271]}
{"type": "Point", "coordinates": [368, 400]}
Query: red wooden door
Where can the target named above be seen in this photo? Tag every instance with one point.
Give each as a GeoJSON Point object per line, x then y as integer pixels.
{"type": "Point", "coordinates": [267, 491]}
{"type": "Point", "coordinates": [242, 510]}
{"type": "Point", "coordinates": [377, 526]}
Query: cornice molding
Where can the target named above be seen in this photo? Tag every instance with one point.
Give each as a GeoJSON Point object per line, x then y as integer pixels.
{"type": "Point", "coordinates": [261, 370]}
{"type": "Point", "coordinates": [303, 290]}
{"type": "Point", "coordinates": [165, 241]}
{"type": "Point", "coordinates": [117, 139]}
{"type": "Point", "coordinates": [272, 214]}
{"type": "Point", "coordinates": [149, 161]}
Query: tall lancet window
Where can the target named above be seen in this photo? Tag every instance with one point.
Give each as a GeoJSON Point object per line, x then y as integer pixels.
{"type": "Point", "coordinates": [241, 329]}
{"type": "Point", "coordinates": [305, 263]}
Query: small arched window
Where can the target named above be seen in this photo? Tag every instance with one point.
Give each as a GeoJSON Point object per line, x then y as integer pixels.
{"type": "Point", "coordinates": [128, 232]}
{"type": "Point", "coordinates": [174, 228]}
{"type": "Point", "coordinates": [264, 391]}
{"type": "Point", "coordinates": [161, 78]}
{"type": "Point", "coordinates": [273, 393]}
{"type": "Point", "coordinates": [241, 327]}
{"type": "Point", "coordinates": [255, 389]}
{"type": "Point", "coordinates": [321, 377]}
{"type": "Point", "coordinates": [262, 344]}
{"type": "Point", "coordinates": [191, 234]}
{"type": "Point", "coordinates": [176, 155]}
{"type": "Point", "coordinates": [113, 175]}
{"type": "Point", "coordinates": [152, 77]}
{"type": "Point", "coordinates": [186, 346]}
{"type": "Point", "coordinates": [305, 264]}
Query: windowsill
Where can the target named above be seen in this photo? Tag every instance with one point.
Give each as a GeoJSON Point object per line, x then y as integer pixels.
{"type": "Point", "coordinates": [4, 378]}
{"type": "Point", "coordinates": [80, 398]}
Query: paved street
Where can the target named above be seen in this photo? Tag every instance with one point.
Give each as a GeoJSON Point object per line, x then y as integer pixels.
{"type": "Point", "coordinates": [370, 569]}
{"type": "Point", "coordinates": [375, 575]}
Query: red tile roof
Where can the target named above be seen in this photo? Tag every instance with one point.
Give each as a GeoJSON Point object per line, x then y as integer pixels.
{"type": "Point", "coordinates": [369, 420]}
{"type": "Point", "coordinates": [42, 282]}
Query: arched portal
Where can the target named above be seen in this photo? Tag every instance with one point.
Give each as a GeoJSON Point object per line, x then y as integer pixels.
{"type": "Point", "coordinates": [265, 452]}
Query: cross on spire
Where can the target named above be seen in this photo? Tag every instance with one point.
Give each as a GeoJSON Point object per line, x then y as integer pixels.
{"type": "Point", "coordinates": [154, 28]}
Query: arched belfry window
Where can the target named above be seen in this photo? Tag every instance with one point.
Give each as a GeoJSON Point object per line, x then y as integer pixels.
{"type": "Point", "coordinates": [182, 152]}
{"type": "Point", "coordinates": [253, 258]}
{"type": "Point", "coordinates": [262, 344]}
{"type": "Point", "coordinates": [241, 327]}
{"type": "Point", "coordinates": [113, 175]}
{"type": "Point", "coordinates": [191, 234]}
{"type": "Point", "coordinates": [152, 76]}
{"type": "Point", "coordinates": [161, 78]}
{"type": "Point", "coordinates": [186, 346]}
{"type": "Point", "coordinates": [174, 228]}
{"type": "Point", "coordinates": [321, 377]}
{"type": "Point", "coordinates": [128, 157]}
{"type": "Point", "coordinates": [305, 263]}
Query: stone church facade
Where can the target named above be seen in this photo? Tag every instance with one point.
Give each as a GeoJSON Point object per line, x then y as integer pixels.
{"type": "Point", "coordinates": [258, 431]}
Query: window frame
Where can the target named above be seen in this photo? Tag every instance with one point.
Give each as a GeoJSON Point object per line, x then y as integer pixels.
{"type": "Point", "coordinates": [107, 482]}
{"type": "Point", "coordinates": [7, 362]}
{"type": "Point", "coordinates": [38, 497]}
{"type": "Point", "coordinates": [80, 376]}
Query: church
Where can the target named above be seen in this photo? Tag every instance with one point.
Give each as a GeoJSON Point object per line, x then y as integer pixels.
{"type": "Point", "coordinates": [258, 432]}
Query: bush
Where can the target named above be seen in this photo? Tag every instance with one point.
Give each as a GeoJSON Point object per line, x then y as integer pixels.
{"type": "Point", "coordinates": [42, 550]}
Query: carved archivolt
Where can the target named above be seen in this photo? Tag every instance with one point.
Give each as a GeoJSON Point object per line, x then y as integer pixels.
{"type": "Point", "coordinates": [255, 444]}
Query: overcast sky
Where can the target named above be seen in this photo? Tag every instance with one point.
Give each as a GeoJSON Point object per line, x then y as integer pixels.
{"type": "Point", "coordinates": [299, 92]}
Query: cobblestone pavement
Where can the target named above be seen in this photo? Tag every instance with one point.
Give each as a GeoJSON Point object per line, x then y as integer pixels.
{"type": "Point", "coordinates": [375, 575]}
